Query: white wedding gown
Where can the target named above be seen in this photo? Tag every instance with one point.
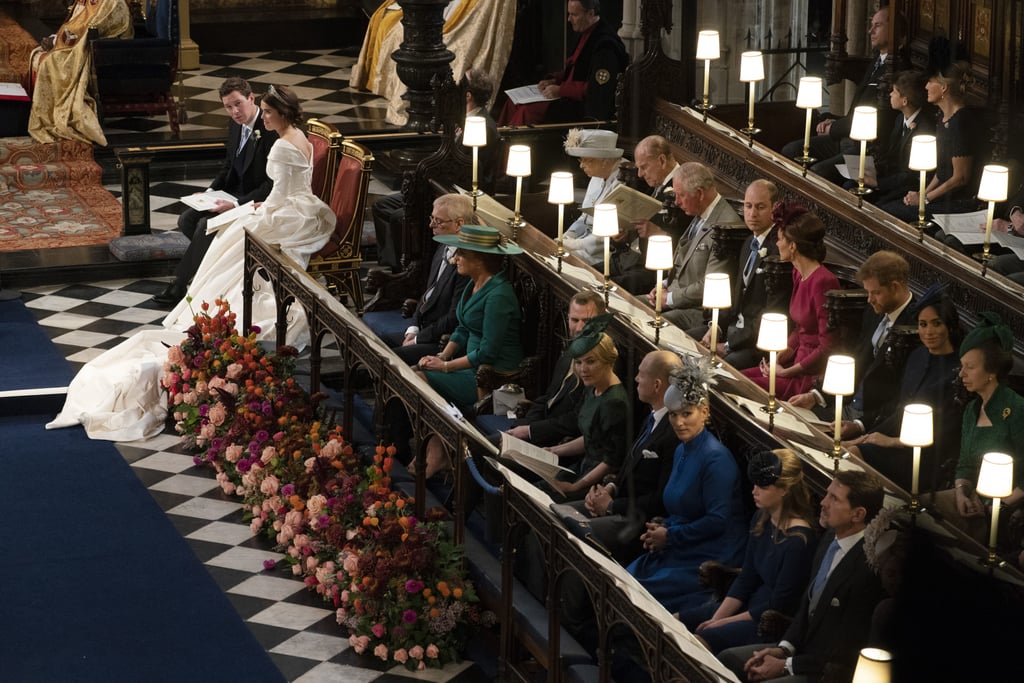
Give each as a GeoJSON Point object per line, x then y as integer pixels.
{"type": "Point", "coordinates": [117, 395]}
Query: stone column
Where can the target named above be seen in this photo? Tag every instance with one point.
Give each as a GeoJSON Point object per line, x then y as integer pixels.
{"type": "Point", "coordinates": [421, 56]}
{"type": "Point", "coordinates": [188, 51]}
{"type": "Point", "coordinates": [630, 30]}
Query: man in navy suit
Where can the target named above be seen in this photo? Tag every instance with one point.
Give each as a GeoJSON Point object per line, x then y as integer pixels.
{"type": "Point", "coordinates": [737, 342]}
{"type": "Point", "coordinates": [885, 275]}
{"type": "Point", "coordinates": [633, 495]}
{"type": "Point", "coordinates": [834, 618]}
{"type": "Point", "coordinates": [244, 175]}
{"type": "Point", "coordinates": [435, 310]}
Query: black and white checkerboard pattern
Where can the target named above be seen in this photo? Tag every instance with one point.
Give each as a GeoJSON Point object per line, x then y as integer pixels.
{"type": "Point", "coordinates": [297, 629]}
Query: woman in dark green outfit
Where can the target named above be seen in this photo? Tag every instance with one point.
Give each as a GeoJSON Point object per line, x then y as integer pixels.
{"type": "Point", "coordinates": [993, 422]}
{"type": "Point", "coordinates": [603, 414]}
{"type": "Point", "coordinates": [488, 314]}
{"type": "Point", "coordinates": [488, 329]}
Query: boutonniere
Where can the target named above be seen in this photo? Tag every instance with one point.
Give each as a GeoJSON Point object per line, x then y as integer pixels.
{"type": "Point", "coordinates": [762, 252]}
{"type": "Point", "coordinates": [912, 125]}
{"type": "Point", "coordinates": [1006, 413]}
{"type": "Point", "coordinates": [256, 132]}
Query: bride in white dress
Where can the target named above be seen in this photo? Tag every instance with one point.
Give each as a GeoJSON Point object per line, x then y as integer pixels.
{"type": "Point", "coordinates": [117, 395]}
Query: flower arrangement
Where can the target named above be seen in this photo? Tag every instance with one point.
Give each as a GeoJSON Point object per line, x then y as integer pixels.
{"type": "Point", "coordinates": [397, 582]}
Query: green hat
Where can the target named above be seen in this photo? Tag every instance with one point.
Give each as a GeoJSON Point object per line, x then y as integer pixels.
{"type": "Point", "coordinates": [989, 327]}
{"type": "Point", "coordinates": [481, 238]}
{"type": "Point", "coordinates": [590, 335]}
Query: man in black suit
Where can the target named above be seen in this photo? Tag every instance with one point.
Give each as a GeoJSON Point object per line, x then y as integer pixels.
{"type": "Point", "coordinates": [885, 275]}
{"type": "Point", "coordinates": [243, 175]}
{"type": "Point", "coordinates": [633, 495]}
{"type": "Point", "coordinates": [552, 417]}
{"type": "Point", "coordinates": [834, 618]}
{"type": "Point", "coordinates": [833, 134]}
{"type": "Point", "coordinates": [737, 345]}
{"type": "Point", "coordinates": [435, 310]}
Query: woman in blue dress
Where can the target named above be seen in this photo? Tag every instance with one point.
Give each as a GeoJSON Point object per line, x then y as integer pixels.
{"type": "Point", "coordinates": [706, 519]}
{"type": "Point", "coordinates": [778, 559]}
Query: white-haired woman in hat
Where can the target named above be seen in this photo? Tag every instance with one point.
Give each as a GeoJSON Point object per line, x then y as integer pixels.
{"type": "Point", "coordinates": [488, 315]}
{"type": "Point", "coordinates": [600, 160]}
{"type": "Point", "coordinates": [706, 517]}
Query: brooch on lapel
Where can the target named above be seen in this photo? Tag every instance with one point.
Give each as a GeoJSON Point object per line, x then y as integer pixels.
{"type": "Point", "coordinates": [1006, 413]}
{"type": "Point", "coordinates": [834, 603]}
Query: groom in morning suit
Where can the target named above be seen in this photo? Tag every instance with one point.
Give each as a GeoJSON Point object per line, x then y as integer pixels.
{"type": "Point", "coordinates": [244, 175]}
{"type": "Point", "coordinates": [834, 618]}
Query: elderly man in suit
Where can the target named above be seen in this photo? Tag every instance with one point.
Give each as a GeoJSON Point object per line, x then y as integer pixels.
{"type": "Point", "coordinates": [682, 297]}
{"type": "Point", "coordinates": [244, 175]}
{"type": "Point", "coordinates": [885, 275]}
{"type": "Point", "coordinates": [738, 344]}
{"type": "Point", "coordinates": [435, 311]}
{"type": "Point", "coordinates": [835, 614]}
{"type": "Point", "coordinates": [623, 503]}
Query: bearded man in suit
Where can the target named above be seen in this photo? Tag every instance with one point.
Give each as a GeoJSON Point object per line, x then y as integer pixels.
{"type": "Point", "coordinates": [243, 175]}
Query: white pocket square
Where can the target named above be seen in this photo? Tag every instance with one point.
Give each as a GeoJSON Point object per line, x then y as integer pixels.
{"type": "Point", "coordinates": [834, 603]}
{"type": "Point", "coordinates": [649, 454]}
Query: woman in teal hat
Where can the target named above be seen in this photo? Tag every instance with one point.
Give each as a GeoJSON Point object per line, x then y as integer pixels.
{"type": "Point", "coordinates": [993, 422]}
{"type": "Point", "coordinates": [603, 414]}
{"type": "Point", "coordinates": [488, 315]}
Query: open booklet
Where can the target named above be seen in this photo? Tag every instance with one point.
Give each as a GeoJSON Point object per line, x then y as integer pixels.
{"type": "Point", "coordinates": [851, 169]}
{"type": "Point", "coordinates": [630, 206]}
{"type": "Point", "coordinates": [539, 461]}
{"type": "Point", "coordinates": [217, 223]}
{"type": "Point", "coordinates": [969, 228]}
{"type": "Point", "coordinates": [206, 201]}
{"type": "Point", "coordinates": [526, 94]}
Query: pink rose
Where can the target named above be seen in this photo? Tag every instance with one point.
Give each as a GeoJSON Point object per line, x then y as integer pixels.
{"type": "Point", "coordinates": [331, 449]}
{"type": "Point", "coordinates": [400, 656]}
{"type": "Point", "coordinates": [285, 534]}
{"type": "Point", "coordinates": [416, 652]}
{"type": "Point", "coordinates": [293, 551]}
{"type": "Point", "coordinates": [381, 651]}
{"type": "Point", "coordinates": [270, 485]}
{"type": "Point", "coordinates": [255, 525]}
{"type": "Point", "coordinates": [351, 564]}
{"type": "Point", "coordinates": [345, 596]}
{"type": "Point", "coordinates": [378, 630]}
{"type": "Point", "coordinates": [316, 503]}
{"type": "Point", "coordinates": [432, 651]}
{"type": "Point", "coordinates": [218, 414]}
{"type": "Point", "coordinates": [174, 355]}
{"type": "Point", "coordinates": [234, 370]}
{"type": "Point", "coordinates": [311, 563]}
{"type": "Point", "coordinates": [268, 454]}
{"type": "Point", "coordinates": [233, 452]}
{"type": "Point", "coordinates": [309, 464]}
{"type": "Point", "coordinates": [297, 570]}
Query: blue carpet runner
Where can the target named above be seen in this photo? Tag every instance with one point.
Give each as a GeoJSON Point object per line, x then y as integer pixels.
{"type": "Point", "coordinates": [29, 360]}
{"type": "Point", "coordinates": [97, 584]}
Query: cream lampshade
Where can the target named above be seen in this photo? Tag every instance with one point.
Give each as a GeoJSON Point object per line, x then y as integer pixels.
{"type": "Point", "coordinates": [916, 428]}
{"type": "Point", "coordinates": [873, 666]}
{"type": "Point", "coordinates": [518, 161]}
{"type": "Point", "coordinates": [808, 94]}
{"type": "Point", "coordinates": [839, 376]}
{"type": "Point", "coordinates": [561, 191]}
{"type": "Point", "coordinates": [474, 132]}
{"type": "Point", "coordinates": [995, 479]}
{"type": "Point", "coordinates": [707, 45]}
{"type": "Point", "coordinates": [606, 220]}
{"type": "Point", "coordinates": [659, 253]}
{"type": "Point", "coordinates": [717, 292]}
{"type": "Point", "coordinates": [865, 124]}
{"type": "Point", "coordinates": [923, 153]}
{"type": "Point", "coordinates": [751, 67]}
{"type": "Point", "coordinates": [994, 181]}
{"type": "Point", "coordinates": [773, 334]}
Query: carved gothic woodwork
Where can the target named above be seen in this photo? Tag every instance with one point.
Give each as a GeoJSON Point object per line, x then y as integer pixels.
{"type": "Point", "coordinates": [422, 56]}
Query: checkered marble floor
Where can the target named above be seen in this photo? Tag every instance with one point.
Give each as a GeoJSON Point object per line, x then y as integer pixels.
{"type": "Point", "coordinates": [296, 628]}
{"type": "Point", "coordinates": [85, 319]}
{"type": "Point", "coordinates": [319, 77]}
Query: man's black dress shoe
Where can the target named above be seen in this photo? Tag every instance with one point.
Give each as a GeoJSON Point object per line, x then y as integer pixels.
{"type": "Point", "coordinates": [169, 296]}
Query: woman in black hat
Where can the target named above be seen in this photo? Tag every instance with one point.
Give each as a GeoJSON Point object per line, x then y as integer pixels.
{"type": "Point", "coordinates": [993, 422]}
{"type": "Point", "coordinates": [929, 378]}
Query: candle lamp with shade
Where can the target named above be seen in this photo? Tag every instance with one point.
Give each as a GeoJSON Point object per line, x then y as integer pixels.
{"type": "Point", "coordinates": [707, 50]}
{"type": "Point", "coordinates": [751, 71]}
{"type": "Point", "coordinates": [863, 128]}
{"type": "Point", "coordinates": [606, 225]}
{"type": "Point", "coordinates": [560, 192]}
{"type": "Point", "coordinates": [659, 258]}
{"type": "Point", "coordinates": [994, 182]}
{"type": "Point", "coordinates": [838, 381]}
{"type": "Point", "coordinates": [873, 666]}
{"type": "Point", "coordinates": [474, 135]}
{"type": "Point", "coordinates": [773, 337]}
{"type": "Point", "coordinates": [717, 295]}
{"type": "Point", "coordinates": [808, 97]}
{"type": "Point", "coordinates": [923, 158]}
{"type": "Point", "coordinates": [518, 167]}
{"type": "Point", "coordinates": [916, 431]}
{"type": "Point", "coordinates": [995, 481]}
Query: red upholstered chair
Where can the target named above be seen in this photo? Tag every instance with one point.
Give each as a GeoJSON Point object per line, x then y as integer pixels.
{"type": "Point", "coordinates": [338, 262]}
{"type": "Point", "coordinates": [326, 141]}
